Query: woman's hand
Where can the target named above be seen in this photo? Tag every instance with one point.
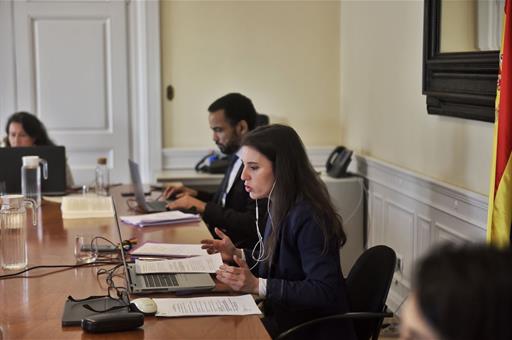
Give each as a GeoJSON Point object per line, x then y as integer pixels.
{"type": "Point", "coordinates": [240, 279]}
{"type": "Point", "coordinates": [226, 248]}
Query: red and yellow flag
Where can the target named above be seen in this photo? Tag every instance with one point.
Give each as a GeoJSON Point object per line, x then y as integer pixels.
{"type": "Point", "coordinates": [500, 192]}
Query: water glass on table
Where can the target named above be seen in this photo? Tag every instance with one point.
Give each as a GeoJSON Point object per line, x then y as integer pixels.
{"type": "Point", "coordinates": [86, 248]}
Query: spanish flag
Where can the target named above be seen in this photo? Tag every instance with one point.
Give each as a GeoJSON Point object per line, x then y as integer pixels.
{"type": "Point", "coordinates": [500, 190]}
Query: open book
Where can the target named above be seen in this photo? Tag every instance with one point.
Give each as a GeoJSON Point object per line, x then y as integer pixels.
{"type": "Point", "coordinates": [87, 207]}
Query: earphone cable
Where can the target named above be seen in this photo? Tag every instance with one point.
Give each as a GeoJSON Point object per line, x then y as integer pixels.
{"type": "Point", "coordinates": [258, 251]}
{"type": "Point", "coordinates": [17, 274]}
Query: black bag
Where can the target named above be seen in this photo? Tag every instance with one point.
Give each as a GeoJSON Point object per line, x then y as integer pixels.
{"type": "Point", "coordinates": [77, 309]}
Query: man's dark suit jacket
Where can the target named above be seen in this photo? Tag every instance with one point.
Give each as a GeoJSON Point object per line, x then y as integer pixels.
{"type": "Point", "coordinates": [303, 283]}
{"type": "Point", "coordinates": [238, 217]}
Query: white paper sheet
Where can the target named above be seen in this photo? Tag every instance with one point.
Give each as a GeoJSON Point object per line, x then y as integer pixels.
{"type": "Point", "coordinates": [166, 217]}
{"type": "Point", "coordinates": [198, 264]}
{"type": "Point", "coordinates": [169, 249]}
{"type": "Point", "coordinates": [208, 305]}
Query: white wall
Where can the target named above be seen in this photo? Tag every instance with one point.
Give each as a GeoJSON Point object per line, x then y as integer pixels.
{"type": "Point", "coordinates": [382, 109]}
{"type": "Point", "coordinates": [459, 26]}
{"type": "Point", "coordinates": [282, 54]}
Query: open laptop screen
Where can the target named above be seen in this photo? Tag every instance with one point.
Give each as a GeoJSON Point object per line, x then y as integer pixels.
{"type": "Point", "coordinates": [185, 282]}
{"type": "Point", "coordinates": [123, 258]}
{"type": "Point", "coordinates": [55, 156]}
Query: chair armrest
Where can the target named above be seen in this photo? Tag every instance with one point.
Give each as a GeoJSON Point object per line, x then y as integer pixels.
{"type": "Point", "coordinates": [346, 316]}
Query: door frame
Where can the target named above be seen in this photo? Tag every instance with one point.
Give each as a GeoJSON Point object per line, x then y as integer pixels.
{"type": "Point", "coordinates": [145, 86]}
{"type": "Point", "coordinates": [144, 90]}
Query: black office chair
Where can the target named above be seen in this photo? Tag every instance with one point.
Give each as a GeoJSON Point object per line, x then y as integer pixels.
{"type": "Point", "coordinates": [367, 288]}
{"type": "Point", "coordinates": [262, 119]}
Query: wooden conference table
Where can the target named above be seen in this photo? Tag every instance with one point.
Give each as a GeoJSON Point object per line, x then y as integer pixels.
{"type": "Point", "coordinates": [31, 308]}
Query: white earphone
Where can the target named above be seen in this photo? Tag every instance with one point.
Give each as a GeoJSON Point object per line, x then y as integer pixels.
{"type": "Point", "coordinates": [259, 246]}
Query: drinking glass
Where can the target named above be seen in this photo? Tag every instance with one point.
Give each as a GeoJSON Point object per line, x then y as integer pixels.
{"type": "Point", "coordinates": [86, 249]}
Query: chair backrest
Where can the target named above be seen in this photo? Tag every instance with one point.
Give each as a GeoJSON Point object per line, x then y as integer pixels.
{"type": "Point", "coordinates": [262, 119]}
{"type": "Point", "coordinates": [368, 285]}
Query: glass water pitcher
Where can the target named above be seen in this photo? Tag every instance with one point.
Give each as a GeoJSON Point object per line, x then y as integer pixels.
{"type": "Point", "coordinates": [31, 177]}
{"type": "Point", "coordinates": [13, 230]}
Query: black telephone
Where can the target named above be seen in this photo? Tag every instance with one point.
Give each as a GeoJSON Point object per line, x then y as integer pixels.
{"type": "Point", "coordinates": [213, 163]}
{"type": "Point", "coordinates": [338, 162]}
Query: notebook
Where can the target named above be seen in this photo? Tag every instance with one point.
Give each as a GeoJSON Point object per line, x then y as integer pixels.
{"type": "Point", "coordinates": [55, 156]}
{"type": "Point", "coordinates": [162, 283]}
{"type": "Point", "coordinates": [82, 206]}
{"type": "Point", "coordinates": [145, 206]}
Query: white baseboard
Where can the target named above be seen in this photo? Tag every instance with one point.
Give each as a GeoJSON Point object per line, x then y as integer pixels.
{"type": "Point", "coordinates": [186, 158]}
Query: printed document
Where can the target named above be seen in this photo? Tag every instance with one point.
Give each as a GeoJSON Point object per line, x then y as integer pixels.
{"type": "Point", "coordinates": [198, 264]}
{"type": "Point", "coordinates": [169, 249]}
{"type": "Point", "coordinates": [208, 305]}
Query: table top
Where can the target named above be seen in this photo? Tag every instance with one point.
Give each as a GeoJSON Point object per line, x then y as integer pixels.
{"type": "Point", "coordinates": [31, 307]}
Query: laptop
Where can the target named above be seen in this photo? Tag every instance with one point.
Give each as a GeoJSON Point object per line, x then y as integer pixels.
{"type": "Point", "coordinates": [55, 156]}
{"type": "Point", "coordinates": [145, 206]}
{"type": "Point", "coordinates": [162, 283]}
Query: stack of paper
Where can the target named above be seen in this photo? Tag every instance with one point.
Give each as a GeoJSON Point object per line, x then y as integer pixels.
{"type": "Point", "coordinates": [198, 264]}
{"type": "Point", "coordinates": [167, 217]}
{"type": "Point", "coordinates": [208, 305]}
{"type": "Point", "coordinates": [168, 249]}
{"type": "Point", "coordinates": [87, 207]}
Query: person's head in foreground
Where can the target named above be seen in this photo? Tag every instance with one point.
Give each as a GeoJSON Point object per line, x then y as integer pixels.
{"type": "Point", "coordinates": [460, 293]}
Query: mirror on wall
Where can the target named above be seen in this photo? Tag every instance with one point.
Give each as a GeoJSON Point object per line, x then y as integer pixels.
{"type": "Point", "coordinates": [471, 25]}
{"type": "Point", "coordinates": [460, 57]}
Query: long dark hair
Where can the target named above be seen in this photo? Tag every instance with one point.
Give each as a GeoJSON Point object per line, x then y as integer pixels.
{"type": "Point", "coordinates": [464, 291]}
{"type": "Point", "coordinates": [295, 180]}
{"type": "Point", "coordinates": [31, 125]}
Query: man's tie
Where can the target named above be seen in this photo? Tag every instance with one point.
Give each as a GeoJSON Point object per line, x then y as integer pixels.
{"type": "Point", "coordinates": [225, 181]}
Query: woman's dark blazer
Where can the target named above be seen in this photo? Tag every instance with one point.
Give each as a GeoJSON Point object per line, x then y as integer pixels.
{"type": "Point", "coordinates": [303, 283]}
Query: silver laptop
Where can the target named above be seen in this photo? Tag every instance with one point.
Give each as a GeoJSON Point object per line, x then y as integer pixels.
{"type": "Point", "coordinates": [162, 283]}
{"type": "Point", "coordinates": [146, 206]}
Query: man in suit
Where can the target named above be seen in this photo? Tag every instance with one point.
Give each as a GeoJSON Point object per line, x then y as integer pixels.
{"type": "Point", "coordinates": [230, 208]}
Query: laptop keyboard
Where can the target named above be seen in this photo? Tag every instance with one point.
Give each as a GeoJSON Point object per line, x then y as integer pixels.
{"type": "Point", "coordinates": [157, 205]}
{"type": "Point", "coordinates": [160, 280]}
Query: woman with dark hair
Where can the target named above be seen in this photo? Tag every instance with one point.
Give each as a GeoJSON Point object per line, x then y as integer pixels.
{"type": "Point", "coordinates": [461, 293]}
{"type": "Point", "coordinates": [24, 130]}
{"type": "Point", "coordinates": [295, 266]}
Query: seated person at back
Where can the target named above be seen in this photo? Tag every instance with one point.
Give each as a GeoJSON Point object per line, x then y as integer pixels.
{"type": "Point", "coordinates": [295, 267]}
{"type": "Point", "coordinates": [230, 208]}
{"type": "Point", "coordinates": [24, 129]}
{"type": "Point", "coordinates": [460, 293]}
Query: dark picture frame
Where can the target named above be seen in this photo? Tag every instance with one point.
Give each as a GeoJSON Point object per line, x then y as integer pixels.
{"type": "Point", "coordinates": [457, 84]}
